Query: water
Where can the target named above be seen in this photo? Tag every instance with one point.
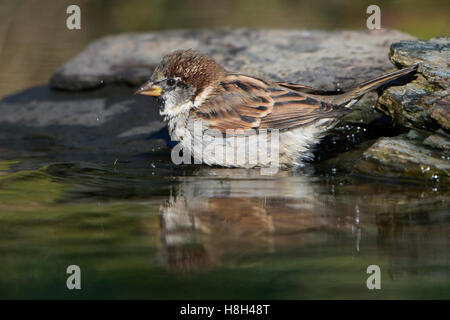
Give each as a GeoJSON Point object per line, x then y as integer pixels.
{"type": "Point", "coordinates": [146, 229]}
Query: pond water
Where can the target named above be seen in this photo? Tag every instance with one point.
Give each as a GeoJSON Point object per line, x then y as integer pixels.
{"type": "Point", "coordinates": [143, 228]}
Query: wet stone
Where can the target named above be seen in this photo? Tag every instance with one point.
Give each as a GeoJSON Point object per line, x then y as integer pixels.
{"type": "Point", "coordinates": [401, 157]}
{"type": "Point", "coordinates": [66, 126]}
{"type": "Point", "coordinates": [439, 141]}
{"type": "Point", "coordinates": [425, 102]}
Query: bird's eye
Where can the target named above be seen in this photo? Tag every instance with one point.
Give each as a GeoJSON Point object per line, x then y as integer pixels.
{"type": "Point", "coordinates": [170, 82]}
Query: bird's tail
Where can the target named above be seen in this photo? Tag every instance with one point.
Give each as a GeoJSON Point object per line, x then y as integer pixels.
{"type": "Point", "coordinates": [349, 98]}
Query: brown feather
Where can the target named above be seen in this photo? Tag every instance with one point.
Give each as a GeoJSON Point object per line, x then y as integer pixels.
{"type": "Point", "coordinates": [193, 68]}
{"type": "Point", "coordinates": [251, 103]}
{"type": "Point", "coordinates": [307, 89]}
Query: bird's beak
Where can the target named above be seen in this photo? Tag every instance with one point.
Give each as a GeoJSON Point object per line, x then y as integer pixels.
{"type": "Point", "coordinates": [150, 89]}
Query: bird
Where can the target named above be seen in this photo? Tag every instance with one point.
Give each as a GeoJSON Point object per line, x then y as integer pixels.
{"type": "Point", "coordinates": [193, 88]}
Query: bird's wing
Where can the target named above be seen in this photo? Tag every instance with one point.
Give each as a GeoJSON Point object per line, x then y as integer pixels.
{"type": "Point", "coordinates": [307, 89]}
{"type": "Point", "coordinates": [244, 102]}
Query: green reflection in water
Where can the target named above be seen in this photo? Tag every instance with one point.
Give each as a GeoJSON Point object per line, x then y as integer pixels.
{"type": "Point", "coordinates": [218, 233]}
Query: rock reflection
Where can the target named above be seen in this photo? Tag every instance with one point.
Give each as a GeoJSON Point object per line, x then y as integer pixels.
{"type": "Point", "coordinates": [416, 244]}
{"type": "Point", "coordinates": [411, 226]}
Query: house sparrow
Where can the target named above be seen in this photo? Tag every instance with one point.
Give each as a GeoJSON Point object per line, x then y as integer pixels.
{"type": "Point", "coordinates": [194, 88]}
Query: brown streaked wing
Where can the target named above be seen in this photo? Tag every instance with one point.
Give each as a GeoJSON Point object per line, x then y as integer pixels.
{"type": "Point", "coordinates": [307, 89]}
{"type": "Point", "coordinates": [244, 102]}
{"type": "Point", "coordinates": [293, 110]}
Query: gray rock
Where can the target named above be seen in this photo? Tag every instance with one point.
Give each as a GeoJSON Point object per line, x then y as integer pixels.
{"type": "Point", "coordinates": [422, 105]}
{"type": "Point", "coordinates": [64, 126]}
{"type": "Point", "coordinates": [400, 157]}
{"type": "Point", "coordinates": [418, 135]}
{"type": "Point", "coordinates": [432, 55]}
{"type": "Point", "coordinates": [425, 102]}
{"type": "Point", "coordinates": [439, 141]}
{"type": "Point", "coordinates": [440, 112]}
{"type": "Point", "coordinates": [317, 58]}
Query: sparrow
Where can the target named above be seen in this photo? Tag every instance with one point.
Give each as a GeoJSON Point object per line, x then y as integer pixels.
{"type": "Point", "coordinates": [194, 88]}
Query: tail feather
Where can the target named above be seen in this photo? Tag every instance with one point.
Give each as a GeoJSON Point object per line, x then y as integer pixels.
{"type": "Point", "coordinates": [352, 96]}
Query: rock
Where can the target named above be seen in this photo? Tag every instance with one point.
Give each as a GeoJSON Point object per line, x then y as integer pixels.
{"type": "Point", "coordinates": [441, 112]}
{"type": "Point", "coordinates": [110, 121]}
{"type": "Point", "coordinates": [317, 58]}
{"type": "Point", "coordinates": [439, 141]}
{"type": "Point", "coordinates": [97, 124]}
{"type": "Point", "coordinates": [400, 157]}
{"type": "Point", "coordinates": [432, 55]}
{"type": "Point", "coordinates": [422, 105]}
{"type": "Point", "coordinates": [425, 102]}
{"type": "Point", "coordinates": [419, 135]}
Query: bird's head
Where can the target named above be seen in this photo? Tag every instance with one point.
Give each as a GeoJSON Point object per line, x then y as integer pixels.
{"type": "Point", "coordinates": [181, 79]}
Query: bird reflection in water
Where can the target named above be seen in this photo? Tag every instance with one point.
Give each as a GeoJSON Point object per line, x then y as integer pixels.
{"type": "Point", "coordinates": [225, 216]}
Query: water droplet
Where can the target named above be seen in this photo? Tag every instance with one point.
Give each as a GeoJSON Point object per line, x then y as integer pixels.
{"type": "Point", "coordinates": [424, 169]}
{"type": "Point", "coordinates": [357, 214]}
{"type": "Point", "coordinates": [358, 238]}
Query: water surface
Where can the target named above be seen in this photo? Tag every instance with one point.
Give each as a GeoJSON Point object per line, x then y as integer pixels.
{"type": "Point", "coordinates": [146, 229]}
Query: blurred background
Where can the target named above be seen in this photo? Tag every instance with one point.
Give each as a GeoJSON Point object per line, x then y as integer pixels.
{"type": "Point", "coordinates": [34, 40]}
